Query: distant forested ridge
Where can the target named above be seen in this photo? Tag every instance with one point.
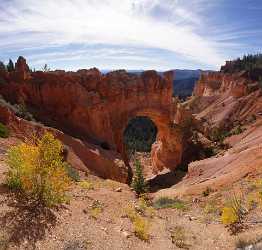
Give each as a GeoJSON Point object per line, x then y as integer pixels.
{"type": "Point", "coordinates": [252, 64]}
{"type": "Point", "coordinates": [184, 82]}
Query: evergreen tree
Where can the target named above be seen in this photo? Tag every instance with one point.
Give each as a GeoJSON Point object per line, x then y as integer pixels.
{"type": "Point", "coordinates": [45, 68]}
{"type": "Point", "coordinates": [10, 66]}
{"type": "Point", "coordinates": [2, 66]}
{"type": "Point", "coordinates": [139, 183]}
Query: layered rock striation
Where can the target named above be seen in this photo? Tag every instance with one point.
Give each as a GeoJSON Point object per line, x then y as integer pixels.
{"type": "Point", "coordinates": [224, 100]}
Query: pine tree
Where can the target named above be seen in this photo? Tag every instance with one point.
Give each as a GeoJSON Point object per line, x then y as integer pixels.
{"type": "Point", "coordinates": [139, 183]}
{"type": "Point", "coordinates": [2, 66]}
{"type": "Point", "coordinates": [10, 66]}
{"type": "Point", "coordinates": [46, 68]}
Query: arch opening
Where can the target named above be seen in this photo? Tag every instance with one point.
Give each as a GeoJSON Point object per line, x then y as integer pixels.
{"type": "Point", "coordinates": [139, 136]}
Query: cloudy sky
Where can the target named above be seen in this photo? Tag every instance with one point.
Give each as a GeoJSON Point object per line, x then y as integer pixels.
{"type": "Point", "coordinates": [131, 34]}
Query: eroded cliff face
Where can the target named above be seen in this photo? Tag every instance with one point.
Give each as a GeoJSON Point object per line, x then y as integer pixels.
{"type": "Point", "coordinates": [97, 107]}
{"type": "Point", "coordinates": [224, 100]}
{"type": "Point", "coordinates": [217, 83]}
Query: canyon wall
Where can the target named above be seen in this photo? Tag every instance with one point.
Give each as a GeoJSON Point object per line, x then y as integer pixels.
{"type": "Point", "coordinates": [96, 108]}
{"type": "Point", "coordinates": [226, 100]}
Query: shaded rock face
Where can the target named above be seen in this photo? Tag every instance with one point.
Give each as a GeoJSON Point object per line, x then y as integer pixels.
{"type": "Point", "coordinates": [81, 155]}
{"type": "Point", "coordinates": [97, 108]}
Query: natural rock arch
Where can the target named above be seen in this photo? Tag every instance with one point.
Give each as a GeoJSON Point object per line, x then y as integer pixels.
{"type": "Point", "coordinates": [167, 150]}
{"type": "Point", "coordinates": [96, 108]}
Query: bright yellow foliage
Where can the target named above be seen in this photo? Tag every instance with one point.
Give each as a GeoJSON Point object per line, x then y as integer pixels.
{"type": "Point", "coordinates": [38, 170]}
{"type": "Point", "coordinates": [140, 224]}
{"type": "Point", "coordinates": [86, 185]}
{"type": "Point", "coordinates": [141, 228]}
{"type": "Point", "coordinates": [229, 216]}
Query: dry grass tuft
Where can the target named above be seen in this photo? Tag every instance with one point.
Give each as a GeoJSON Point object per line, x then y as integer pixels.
{"type": "Point", "coordinates": [178, 237]}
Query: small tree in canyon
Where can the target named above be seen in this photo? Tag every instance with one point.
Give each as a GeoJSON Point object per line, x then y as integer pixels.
{"type": "Point", "coordinates": [139, 183]}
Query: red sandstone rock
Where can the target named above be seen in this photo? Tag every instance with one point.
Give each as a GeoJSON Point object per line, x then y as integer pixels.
{"type": "Point", "coordinates": [224, 99]}
{"type": "Point", "coordinates": [97, 108]}
{"type": "Point", "coordinates": [82, 155]}
{"type": "Point", "coordinates": [243, 159]}
{"type": "Point", "coordinates": [22, 70]}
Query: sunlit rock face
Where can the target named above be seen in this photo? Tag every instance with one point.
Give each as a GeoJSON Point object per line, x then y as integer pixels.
{"type": "Point", "coordinates": [224, 100]}
{"type": "Point", "coordinates": [96, 108]}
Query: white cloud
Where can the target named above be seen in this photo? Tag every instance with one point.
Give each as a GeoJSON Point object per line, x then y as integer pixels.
{"type": "Point", "coordinates": [30, 23]}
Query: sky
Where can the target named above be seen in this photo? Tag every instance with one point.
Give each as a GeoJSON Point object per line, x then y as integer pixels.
{"type": "Point", "coordinates": [129, 34]}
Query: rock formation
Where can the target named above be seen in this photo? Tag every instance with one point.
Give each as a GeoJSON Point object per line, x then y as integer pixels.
{"type": "Point", "coordinates": [226, 99]}
{"type": "Point", "coordinates": [96, 108]}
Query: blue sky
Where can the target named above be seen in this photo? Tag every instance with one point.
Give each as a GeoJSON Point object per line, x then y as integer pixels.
{"type": "Point", "coordinates": [130, 34]}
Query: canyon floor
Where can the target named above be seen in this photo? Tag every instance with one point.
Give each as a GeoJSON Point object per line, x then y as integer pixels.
{"type": "Point", "coordinates": [77, 225]}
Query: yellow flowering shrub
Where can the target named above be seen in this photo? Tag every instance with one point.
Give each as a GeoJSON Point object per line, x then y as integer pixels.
{"type": "Point", "coordinates": [140, 224]}
{"type": "Point", "coordinates": [229, 216]}
{"type": "Point", "coordinates": [37, 170]}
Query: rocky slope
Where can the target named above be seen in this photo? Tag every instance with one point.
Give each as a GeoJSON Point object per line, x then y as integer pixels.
{"type": "Point", "coordinates": [231, 104]}
{"type": "Point", "coordinates": [226, 99]}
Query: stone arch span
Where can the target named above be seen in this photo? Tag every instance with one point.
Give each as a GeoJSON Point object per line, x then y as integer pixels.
{"type": "Point", "coordinates": [167, 150]}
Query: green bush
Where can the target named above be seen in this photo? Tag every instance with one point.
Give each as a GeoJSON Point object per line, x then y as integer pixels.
{"type": "Point", "coordinates": [218, 134]}
{"type": "Point", "coordinates": [21, 111]}
{"type": "Point", "coordinates": [4, 131]}
{"type": "Point", "coordinates": [139, 183]}
{"type": "Point", "coordinates": [71, 172]}
{"type": "Point", "coordinates": [166, 202]}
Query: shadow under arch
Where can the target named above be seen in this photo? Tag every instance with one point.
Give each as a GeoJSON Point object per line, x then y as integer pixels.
{"type": "Point", "coordinates": [139, 135]}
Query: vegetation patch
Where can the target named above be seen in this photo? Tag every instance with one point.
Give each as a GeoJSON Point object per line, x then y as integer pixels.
{"type": "Point", "coordinates": [20, 110]}
{"type": "Point", "coordinates": [110, 184]}
{"type": "Point", "coordinates": [139, 183]}
{"type": "Point", "coordinates": [254, 198]}
{"type": "Point", "coordinates": [178, 237]}
{"type": "Point", "coordinates": [233, 214]}
{"type": "Point", "coordinates": [144, 208]}
{"type": "Point", "coordinates": [71, 172]}
{"type": "Point", "coordinates": [37, 171]}
{"type": "Point", "coordinates": [141, 225]}
{"type": "Point", "coordinates": [85, 184]}
{"type": "Point", "coordinates": [96, 209]}
{"type": "Point", "coordinates": [166, 202]}
{"type": "Point", "coordinates": [4, 131]}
